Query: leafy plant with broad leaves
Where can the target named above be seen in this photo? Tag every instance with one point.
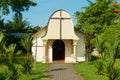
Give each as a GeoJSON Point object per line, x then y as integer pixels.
{"type": "Point", "coordinates": [105, 65]}
{"type": "Point", "coordinates": [26, 42]}
{"type": "Point", "coordinates": [8, 57]}
{"type": "Point", "coordinates": [17, 7]}
{"type": "Point", "coordinates": [94, 20]}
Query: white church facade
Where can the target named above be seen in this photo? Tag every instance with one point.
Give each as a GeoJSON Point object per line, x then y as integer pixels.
{"type": "Point", "coordinates": [58, 40]}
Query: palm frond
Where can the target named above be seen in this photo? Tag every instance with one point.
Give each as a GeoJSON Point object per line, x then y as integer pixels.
{"type": "Point", "coordinates": [1, 36]}
{"type": "Point", "coordinates": [90, 2]}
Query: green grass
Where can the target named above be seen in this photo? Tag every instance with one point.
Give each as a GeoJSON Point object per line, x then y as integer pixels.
{"type": "Point", "coordinates": [38, 74]}
{"type": "Point", "coordinates": [89, 72]}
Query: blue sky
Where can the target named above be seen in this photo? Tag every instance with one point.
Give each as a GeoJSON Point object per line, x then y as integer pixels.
{"type": "Point", "coordinates": [40, 14]}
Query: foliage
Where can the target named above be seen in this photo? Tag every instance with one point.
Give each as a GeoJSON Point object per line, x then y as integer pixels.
{"type": "Point", "coordinates": [88, 46]}
{"type": "Point", "coordinates": [2, 76]}
{"type": "Point", "coordinates": [105, 68]}
{"type": "Point", "coordinates": [88, 71]}
{"type": "Point", "coordinates": [110, 73]}
{"type": "Point", "coordinates": [105, 65]}
{"type": "Point", "coordinates": [31, 29]}
{"type": "Point", "coordinates": [1, 23]}
{"type": "Point", "coordinates": [112, 40]}
{"type": "Point", "coordinates": [95, 19]}
{"type": "Point", "coordinates": [26, 42]}
{"type": "Point", "coordinates": [8, 58]}
{"type": "Point", "coordinates": [16, 6]}
{"type": "Point", "coordinates": [98, 42]}
{"type": "Point", "coordinates": [17, 25]}
{"type": "Point", "coordinates": [40, 73]}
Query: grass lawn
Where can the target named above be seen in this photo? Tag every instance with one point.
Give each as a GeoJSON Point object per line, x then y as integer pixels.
{"type": "Point", "coordinates": [89, 72]}
{"type": "Point", "coordinates": [39, 74]}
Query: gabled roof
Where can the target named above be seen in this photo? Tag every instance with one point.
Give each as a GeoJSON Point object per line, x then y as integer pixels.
{"type": "Point", "coordinates": [41, 32]}
{"type": "Point", "coordinates": [60, 26]}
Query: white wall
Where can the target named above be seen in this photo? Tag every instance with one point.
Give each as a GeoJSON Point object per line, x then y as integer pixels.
{"type": "Point", "coordinates": [80, 47]}
{"type": "Point", "coordinates": [69, 51]}
{"type": "Point", "coordinates": [37, 52]}
{"type": "Point", "coordinates": [50, 54]}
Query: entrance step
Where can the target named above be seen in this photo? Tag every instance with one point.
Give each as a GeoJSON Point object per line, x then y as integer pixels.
{"type": "Point", "coordinates": [58, 61]}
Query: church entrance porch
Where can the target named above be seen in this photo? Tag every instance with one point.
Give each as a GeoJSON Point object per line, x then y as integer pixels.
{"type": "Point", "coordinates": [58, 50]}
{"type": "Point", "coordinates": [61, 51]}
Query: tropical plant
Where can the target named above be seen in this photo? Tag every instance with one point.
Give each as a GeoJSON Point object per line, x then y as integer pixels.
{"type": "Point", "coordinates": [8, 57]}
{"type": "Point", "coordinates": [31, 29]}
{"type": "Point", "coordinates": [2, 43]}
{"type": "Point", "coordinates": [113, 50]}
{"type": "Point", "coordinates": [17, 25]}
{"type": "Point", "coordinates": [95, 19]}
{"type": "Point", "coordinates": [105, 65]}
{"type": "Point", "coordinates": [26, 42]}
{"type": "Point", "coordinates": [10, 60]}
{"type": "Point", "coordinates": [98, 42]}
{"type": "Point", "coordinates": [4, 76]}
{"type": "Point", "coordinates": [109, 72]}
{"type": "Point", "coordinates": [16, 6]}
{"type": "Point", "coordinates": [1, 23]}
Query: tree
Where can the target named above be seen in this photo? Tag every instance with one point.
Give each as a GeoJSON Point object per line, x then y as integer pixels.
{"type": "Point", "coordinates": [16, 6]}
{"type": "Point", "coordinates": [32, 29]}
{"type": "Point", "coordinates": [26, 42]}
{"type": "Point", "coordinates": [8, 57]}
{"type": "Point", "coordinates": [1, 23]}
{"type": "Point", "coordinates": [110, 51]}
{"type": "Point", "coordinates": [94, 20]}
{"type": "Point", "coordinates": [98, 42]}
{"type": "Point", "coordinates": [17, 25]}
{"type": "Point", "coordinates": [113, 41]}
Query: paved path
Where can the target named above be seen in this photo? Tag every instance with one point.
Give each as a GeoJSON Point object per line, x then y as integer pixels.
{"type": "Point", "coordinates": [62, 71]}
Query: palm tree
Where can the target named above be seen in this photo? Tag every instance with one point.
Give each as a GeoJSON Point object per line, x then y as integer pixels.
{"type": "Point", "coordinates": [1, 23]}
{"type": "Point", "coordinates": [17, 25]}
{"type": "Point", "coordinates": [11, 59]}
{"type": "Point", "coordinates": [99, 44]}
{"type": "Point", "coordinates": [113, 50]}
{"type": "Point", "coordinates": [2, 42]}
{"type": "Point", "coordinates": [26, 42]}
{"type": "Point", "coordinates": [8, 57]}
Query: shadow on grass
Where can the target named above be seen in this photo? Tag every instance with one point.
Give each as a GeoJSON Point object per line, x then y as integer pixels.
{"type": "Point", "coordinates": [41, 77]}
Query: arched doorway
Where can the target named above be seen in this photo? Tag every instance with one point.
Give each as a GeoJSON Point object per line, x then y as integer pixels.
{"type": "Point", "coordinates": [58, 50]}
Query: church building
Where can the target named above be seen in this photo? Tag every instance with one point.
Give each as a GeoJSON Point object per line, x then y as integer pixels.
{"type": "Point", "coordinates": [59, 41]}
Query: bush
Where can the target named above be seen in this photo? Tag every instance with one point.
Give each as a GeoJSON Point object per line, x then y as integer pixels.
{"type": "Point", "coordinates": [105, 68]}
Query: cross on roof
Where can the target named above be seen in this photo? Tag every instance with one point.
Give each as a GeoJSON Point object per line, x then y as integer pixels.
{"type": "Point", "coordinates": [60, 18]}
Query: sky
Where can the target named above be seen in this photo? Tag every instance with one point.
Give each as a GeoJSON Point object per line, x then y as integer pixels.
{"type": "Point", "coordinates": [39, 15]}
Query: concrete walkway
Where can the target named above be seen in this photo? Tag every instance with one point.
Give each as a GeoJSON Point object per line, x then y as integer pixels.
{"type": "Point", "coordinates": [62, 71]}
